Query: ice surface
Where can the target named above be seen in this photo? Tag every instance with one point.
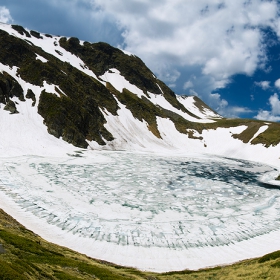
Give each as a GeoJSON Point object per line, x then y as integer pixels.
{"type": "Point", "coordinates": [136, 202]}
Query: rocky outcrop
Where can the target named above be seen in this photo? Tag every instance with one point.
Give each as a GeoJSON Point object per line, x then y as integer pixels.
{"type": "Point", "coordinates": [10, 88]}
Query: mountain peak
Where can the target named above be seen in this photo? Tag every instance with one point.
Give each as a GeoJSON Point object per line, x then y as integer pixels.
{"type": "Point", "coordinates": [93, 95]}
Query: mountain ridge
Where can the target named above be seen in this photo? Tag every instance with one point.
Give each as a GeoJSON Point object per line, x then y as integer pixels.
{"type": "Point", "coordinates": [92, 95]}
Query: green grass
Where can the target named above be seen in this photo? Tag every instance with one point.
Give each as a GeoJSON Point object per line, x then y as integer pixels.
{"type": "Point", "coordinates": [27, 256]}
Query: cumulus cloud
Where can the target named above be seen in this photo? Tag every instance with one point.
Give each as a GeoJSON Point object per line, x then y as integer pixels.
{"type": "Point", "coordinates": [275, 104]}
{"type": "Point", "coordinates": [222, 107]}
{"type": "Point", "coordinates": [277, 83]}
{"type": "Point", "coordinates": [217, 103]}
{"type": "Point", "coordinates": [222, 37]}
{"type": "Point", "coordinates": [236, 111]}
{"type": "Point", "coordinates": [267, 116]}
{"type": "Point", "coordinates": [264, 84]}
{"type": "Point", "coordinates": [70, 18]}
{"type": "Point", "coordinates": [274, 113]}
{"type": "Point", "coordinates": [5, 16]}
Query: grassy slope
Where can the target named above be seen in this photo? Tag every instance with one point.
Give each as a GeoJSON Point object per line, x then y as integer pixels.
{"type": "Point", "coordinates": [269, 137]}
{"type": "Point", "coordinates": [28, 256]}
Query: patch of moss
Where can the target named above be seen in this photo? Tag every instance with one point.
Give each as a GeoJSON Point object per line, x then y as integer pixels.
{"type": "Point", "coordinates": [191, 135]}
{"type": "Point", "coordinates": [65, 276]}
{"type": "Point", "coordinates": [270, 137]}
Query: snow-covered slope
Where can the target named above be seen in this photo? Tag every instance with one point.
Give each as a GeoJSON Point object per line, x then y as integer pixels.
{"type": "Point", "coordinates": [119, 104]}
{"type": "Point", "coordinates": [136, 117]}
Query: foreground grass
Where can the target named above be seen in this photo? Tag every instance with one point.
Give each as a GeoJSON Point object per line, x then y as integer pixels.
{"type": "Point", "coordinates": [27, 256]}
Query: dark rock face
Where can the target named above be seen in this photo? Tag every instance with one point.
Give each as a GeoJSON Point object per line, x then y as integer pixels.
{"type": "Point", "coordinates": [30, 95]}
{"type": "Point", "coordinates": [36, 34]}
{"type": "Point", "coordinates": [21, 30]}
{"type": "Point", "coordinates": [74, 120]}
{"type": "Point", "coordinates": [9, 88]}
{"type": "Point", "coordinates": [11, 106]}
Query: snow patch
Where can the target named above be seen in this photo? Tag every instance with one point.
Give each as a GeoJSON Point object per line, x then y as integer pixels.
{"type": "Point", "coordinates": [189, 103]}
{"type": "Point", "coordinates": [129, 133]}
{"type": "Point", "coordinates": [119, 82]}
{"type": "Point", "coordinates": [160, 100]}
{"type": "Point", "coordinates": [39, 57]}
{"type": "Point", "coordinates": [127, 52]}
{"type": "Point", "coordinates": [261, 130]}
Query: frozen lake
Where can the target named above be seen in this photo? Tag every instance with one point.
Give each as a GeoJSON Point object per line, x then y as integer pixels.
{"type": "Point", "coordinates": [135, 201]}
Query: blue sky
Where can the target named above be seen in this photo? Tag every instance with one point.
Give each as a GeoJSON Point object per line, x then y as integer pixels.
{"type": "Point", "coordinates": [226, 52]}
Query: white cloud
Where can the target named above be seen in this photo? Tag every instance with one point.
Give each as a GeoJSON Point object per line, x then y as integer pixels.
{"type": "Point", "coordinates": [221, 106]}
{"type": "Point", "coordinates": [240, 110]}
{"type": "Point", "coordinates": [217, 103]}
{"type": "Point", "coordinates": [193, 92]}
{"type": "Point", "coordinates": [274, 113]}
{"type": "Point", "coordinates": [224, 39]}
{"type": "Point", "coordinates": [169, 76]}
{"type": "Point", "coordinates": [277, 83]}
{"type": "Point", "coordinates": [5, 16]}
{"type": "Point", "coordinates": [275, 104]}
{"type": "Point", "coordinates": [263, 84]}
{"type": "Point", "coordinates": [235, 111]}
{"type": "Point", "coordinates": [188, 84]}
{"type": "Point", "coordinates": [267, 116]}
